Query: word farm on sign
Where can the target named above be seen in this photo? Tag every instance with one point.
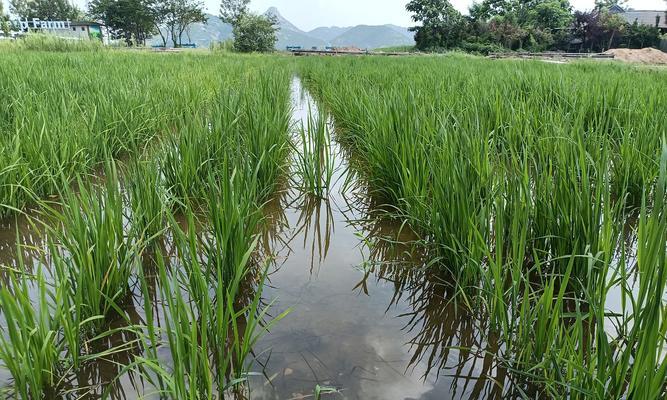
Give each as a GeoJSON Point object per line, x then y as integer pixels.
{"type": "Point", "coordinates": [36, 23]}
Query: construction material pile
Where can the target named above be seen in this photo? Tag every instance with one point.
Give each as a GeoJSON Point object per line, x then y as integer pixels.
{"type": "Point", "coordinates": [644, 56]}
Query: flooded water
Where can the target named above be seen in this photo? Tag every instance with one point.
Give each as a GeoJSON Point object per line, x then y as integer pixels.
{"type": "Point", "coordinates": [367, 318]}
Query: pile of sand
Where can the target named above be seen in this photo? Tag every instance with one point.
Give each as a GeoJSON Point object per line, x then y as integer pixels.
{"type": "Point", "coordinates": [644, 56]}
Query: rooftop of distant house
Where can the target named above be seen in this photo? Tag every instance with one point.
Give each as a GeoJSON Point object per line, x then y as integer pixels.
{"type": "Point", "coordinates": [644, 17]}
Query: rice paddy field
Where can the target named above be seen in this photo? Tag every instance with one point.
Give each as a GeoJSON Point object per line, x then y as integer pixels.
{"type": "Point", "coordinates": [201, 226]}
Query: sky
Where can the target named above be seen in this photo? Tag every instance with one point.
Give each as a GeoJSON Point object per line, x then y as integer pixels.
{"type": "Point", "coordinates": [309, 14]}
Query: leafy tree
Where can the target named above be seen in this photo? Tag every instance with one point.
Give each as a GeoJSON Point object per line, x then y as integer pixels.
{"type": "Point", "coordinates": [231, 11]}
{"type": "Point", "coordinates": [20, 8]}
{"type": "Point", "coordinates": [602, 30]}
{"type": "Point", "coordinates": [542, 14]}
{"type": "Point", "coordinates": [587, 29]}
{"type": "Point", "coordinates": [614, 25]}
{"type": "Point", "coordinates": [507, 33]}
{"type": "Point", "coordinates": [173, 17]}
{"type": "Point", "coordinates": [131, 20]}
{"type": "Point", "coordinates": [638, 36]}
{"type": "Point", "coordinates": [550, 15]}
{"type": "Point", "coordinates": [160, 13]}
{"type": "Point", "coordinates": [252, 32]}
{"type": "Point", "coordinates": [442, 26]}
{"type": "Point", "coordinates": [539, 24]}
{"type": "Point", "coordinates": [54, 10]}
{"type": "Point", "coordinates": [4, 21]}
{"type": "Point", "coordinates": [255, 33]}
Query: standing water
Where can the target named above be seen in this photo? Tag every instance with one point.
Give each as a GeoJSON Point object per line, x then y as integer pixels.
{"type": "Point", "coordinates": [367, 320]}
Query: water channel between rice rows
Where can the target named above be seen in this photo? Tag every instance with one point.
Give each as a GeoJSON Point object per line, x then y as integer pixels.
{"type": "Point", "coordinates": [367, 316]}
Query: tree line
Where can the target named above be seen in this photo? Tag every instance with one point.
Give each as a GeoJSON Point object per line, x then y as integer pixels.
{"type": "Point", "coordinates": [531, 25]}
{"type": "Point", "coordinates": [135, 21]}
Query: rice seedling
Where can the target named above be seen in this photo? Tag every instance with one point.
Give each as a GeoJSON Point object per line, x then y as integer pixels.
{"type": "Point", "coordinates": [92, 251]}
{"type": "Point", "coordinates": [40, 343]}
{"type": "Point", "coordinates": [31, 346]}
{"type": "Point", "coordinates": [213, 315]}
{"type": "Point", "coordinates": [213, 146]}
{"type": "Point", "coordinates": [519, 176]}
{"type": "Point", "coordinates": [149, 199]}
{"type": "Point", "coordinates": [315, 162]}
{"type": "Point", "coordinates": [39, 42]}
{"type": "Point", "coordinates": [65, 127]}
{"type": "Point", "coordinates": [246, 129]}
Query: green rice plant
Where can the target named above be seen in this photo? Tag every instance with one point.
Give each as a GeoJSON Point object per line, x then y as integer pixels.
{"type": "Point", "coordinates": [241, 129]}
{"type": "Point", "coordinates": [315, 162]}
{"type": "Point", "coordinates": [72, 125]}
{"type": "Point", "coordinates": [92, 250]}
{"type": "Point", "coordinates": [265, 127]}
{"type": "Point", "coordinates": [189, 158]}
{"type": "Point", "coordinates": [40, 42]}
{"type": "Point", "coordinates": [519, 176]}
{"type": "Point", "coordinates": [148, 198]}
{"type": "Point", "coordinates": [39, 336]}
{"type": "Point", "coordinates": [223, 144]}
{"type": "Point", "coordinates": [646, 339]}
{"type": "Point", "coordinates": [31, 345]}
{"type": "Point", "coordinates": [320, 390]}
{"type": "Point", "coordinates": [191, 375]}
{"type": "Point", "coordinates": [212, 320]}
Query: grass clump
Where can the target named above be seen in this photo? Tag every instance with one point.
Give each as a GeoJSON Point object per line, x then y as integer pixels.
{"type": "Point", "coordinates": [39, 42]}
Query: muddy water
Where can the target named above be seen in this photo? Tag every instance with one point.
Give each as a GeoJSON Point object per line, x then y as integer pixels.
{"type": "Point", "coordinates": [367, 317]}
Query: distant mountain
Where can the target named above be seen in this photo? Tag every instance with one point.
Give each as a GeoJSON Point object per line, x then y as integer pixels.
{"type": "Point", "coordinates": [282, 21]}
{"type": "Point", "coordinates": [290, 35]}
{"type": "Point", "coordinates": [372, 37]}
{"type": "Point", "coordinates": [403, 31]}
{"type": "Point", "coordinates": [213, 31]}
{"type": "Point", "coordinates": [362, 36]}
{"type": "Point", "coordinates": [328, 33]}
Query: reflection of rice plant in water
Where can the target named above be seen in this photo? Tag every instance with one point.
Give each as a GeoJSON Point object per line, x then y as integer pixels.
{"type": "Point", "coordinates": [92, 250]}
{"type": "Point", "coordinates": [315, 161]}
{"type": "Point", "coordinates": [114, 251]}
{"type": "Point", "coordinates": [522, 187]}
{"type": "Point", "coordinates": [32, 345]}
{"type": "Point", "coordinates": [517, 177]}
{"type": "Point", "coordinates": [216, 326]}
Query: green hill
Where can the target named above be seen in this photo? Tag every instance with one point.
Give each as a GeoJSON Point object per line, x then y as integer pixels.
{"type": "Point", "coordinates": [328, 33]}
{"type": "Point", "coordinates": [362, 36]}
{"type": "Point", "coordinates": [372, 37]}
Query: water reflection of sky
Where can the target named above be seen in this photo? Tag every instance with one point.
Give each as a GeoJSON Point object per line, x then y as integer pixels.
{"type": "Point", "coordinates": [364, 318]}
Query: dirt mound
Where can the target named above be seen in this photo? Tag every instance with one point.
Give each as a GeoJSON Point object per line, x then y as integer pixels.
{"type": "Point", "coordinates": [644, 56]}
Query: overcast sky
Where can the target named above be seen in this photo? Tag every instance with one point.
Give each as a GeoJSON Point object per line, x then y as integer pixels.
{"type": "Point", "coordinates": [309, 14]}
